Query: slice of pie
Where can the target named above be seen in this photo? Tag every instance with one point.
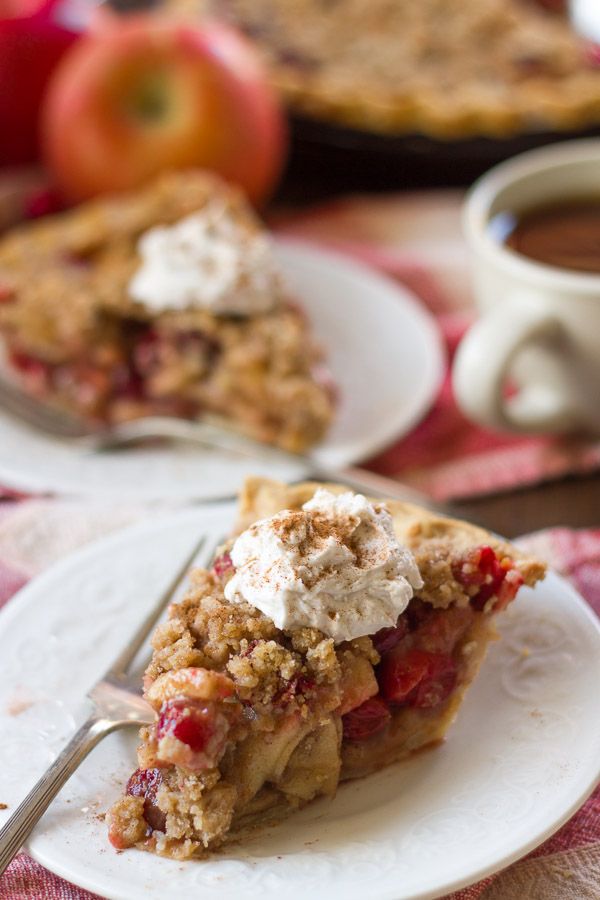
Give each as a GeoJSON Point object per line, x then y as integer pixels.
{"type": "Point", "coordinates": [439, 67]}
{"type": "Point", "coordinates": [166, 301]}
{"type": "Point", "coordinates": [332, 637]}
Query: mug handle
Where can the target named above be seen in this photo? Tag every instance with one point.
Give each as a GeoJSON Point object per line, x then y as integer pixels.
{"type": "Point", "coordinates": [482, 366]}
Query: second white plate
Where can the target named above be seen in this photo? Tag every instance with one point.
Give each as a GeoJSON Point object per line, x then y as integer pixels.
{"type": "Point", "coordinates": [384, 352]}
{"type": "Point", "coordinates": [522, 756]}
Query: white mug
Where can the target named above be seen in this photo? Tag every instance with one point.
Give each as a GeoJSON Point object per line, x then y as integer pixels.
{"type": "Point", "coordinates": [539, 330]}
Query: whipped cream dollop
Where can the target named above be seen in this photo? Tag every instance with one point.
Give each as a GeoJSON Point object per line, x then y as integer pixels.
{"type": "Point", "coordinates": [335, 565]}
{"type": "Point", "coordinates": [210, 259]}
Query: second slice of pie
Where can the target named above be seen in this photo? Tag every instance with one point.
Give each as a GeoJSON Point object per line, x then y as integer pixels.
{"type": "Point", "coordinates": [163, 301]}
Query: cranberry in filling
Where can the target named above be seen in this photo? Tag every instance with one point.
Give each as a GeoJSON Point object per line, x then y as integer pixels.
{"type": "Point", "coordinates": [223, 565]}
{"type": "Point", "coordinates": [387, 638]}
{"type": "Point", "coordinates": [35, 373]}
{"type": "Point", "coordinates": [416, 677]}
{"type": "Point", "coordinates": [191, 725]}
{"type": "Point", "coordinates": [299, 684]}
{"type": "Point", "coordinates": [365, 720]}
{"type": "Point", "coordinates": [144, 349]}
{"type": "Point", "coordinates": [141, 354]}
{"type": "Point", "coordinates": [400, 672]}
{"type": "Point", "coordinates": [191, 733]}
{"type": "Point", "coordinates": [441, 631]}
{"type": "Point", "coordinates": [150, 350]}
{"type": "Point", "coordinates": [145, 783]}
{"type": "Point", "coordinates": [438, 684]}
{"type": "Point", "coordinates": [128, 384]}
{"type": "Point", "coordinates": [492, 576]}
{"type": "Point", "coordinates": [592, 55]}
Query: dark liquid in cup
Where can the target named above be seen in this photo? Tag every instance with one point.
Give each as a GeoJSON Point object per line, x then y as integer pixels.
{"type": "Point", "coordinates": [565, 235]}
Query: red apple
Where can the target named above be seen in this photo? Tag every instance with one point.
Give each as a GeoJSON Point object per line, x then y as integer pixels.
{"type": "Point", "coordinates": [146, 93]}
{"type": "Point", "coordinates": [32, 40]}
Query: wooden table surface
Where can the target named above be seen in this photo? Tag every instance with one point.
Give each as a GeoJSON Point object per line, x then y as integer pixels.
{"type": "Point", "coordinates": [318, 171]}
{"type": "Point", "coordinates": [571, 501]}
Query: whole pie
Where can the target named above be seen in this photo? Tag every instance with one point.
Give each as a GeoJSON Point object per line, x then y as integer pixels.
{"type": "Point", "coordinates": [333, 636]}
{"type": "Point", "coordinates": [166, 301]}
{"type": "Point", "coordinates": [447, 68]}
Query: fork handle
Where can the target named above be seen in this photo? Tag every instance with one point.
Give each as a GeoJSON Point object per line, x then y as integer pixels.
{"type": "Point", "coordinates": [29, 812]}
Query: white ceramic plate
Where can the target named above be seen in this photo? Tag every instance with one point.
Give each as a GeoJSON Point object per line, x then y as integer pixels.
{"type": "Point", "coordinates": [523, 755]}
{"type": "Point", "coordinates": [385, 354]}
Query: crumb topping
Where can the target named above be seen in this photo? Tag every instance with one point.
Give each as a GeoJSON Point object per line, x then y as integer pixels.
{"type": "Point", "coordinates": [252, 718]}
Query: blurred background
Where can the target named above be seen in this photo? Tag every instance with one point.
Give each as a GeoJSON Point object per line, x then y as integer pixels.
{"type": "Point", "coordinates": [355, 124]}
{"type": "Point", "coordinates": [379, 95]}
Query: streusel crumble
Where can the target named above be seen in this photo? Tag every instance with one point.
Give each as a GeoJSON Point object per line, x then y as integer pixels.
{"type": "Point", "coordinates": [255, 720]}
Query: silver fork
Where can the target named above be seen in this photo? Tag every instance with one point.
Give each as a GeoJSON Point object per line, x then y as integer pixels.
{"type": "Point", "coordinates": [210, 432]}
{"type": "Point", "coordinates": [116, 702]}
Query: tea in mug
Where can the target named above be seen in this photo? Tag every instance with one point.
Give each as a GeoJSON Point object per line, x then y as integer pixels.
{"type": "Point", "coordinates": [565, 235]}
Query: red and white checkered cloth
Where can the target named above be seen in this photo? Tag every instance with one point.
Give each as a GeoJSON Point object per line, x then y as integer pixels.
{"type": "Point", "coordinates": [416, 239]}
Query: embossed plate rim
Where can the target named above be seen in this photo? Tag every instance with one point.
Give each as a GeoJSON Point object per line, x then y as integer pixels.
{"type": "Point", "coordinates": [55, 845]}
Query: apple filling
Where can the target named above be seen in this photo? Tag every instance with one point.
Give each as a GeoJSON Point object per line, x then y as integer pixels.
{"type": "Point", "coordinates": [420, 658]}
{"type": "Point", "coordinates": [253, 721]}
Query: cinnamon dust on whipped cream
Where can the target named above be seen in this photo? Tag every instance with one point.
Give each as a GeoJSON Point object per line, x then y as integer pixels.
{"type": "Point", "coordinates": [335, 565]}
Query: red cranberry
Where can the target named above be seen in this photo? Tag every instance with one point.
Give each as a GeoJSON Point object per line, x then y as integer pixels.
{"type": "Point", "coordinates": [481, 569]}
{"type": "Point", "coordinates": [444, 628]}
{"type": "Point", "coordinates": [128, 383]}
{"type": "Point", "coordinates": [36, 375]}
{"type": "Point", "coordinates": [592, 55]}
{"type": "Point", "coordinates": [400, 672]}
{"type": "Point", "coordinates": [437, 685]}
{"type": "Point", "coordinates": [387, 638]}
{"type": "Point", "coordinates": [299, 684]}
{"type": "Point", "coordinates": [470, 570]}
{"type": "Point", "coordinates": [223, 565]}
{"type": "Point", "coordinates": [417, 677]}
{"type": "Point", "coordinates": [192, 733]}
{"type": "Point", "coordinates": [417, 613]}
{"type": "Point", "coordinates": [191, 723]}
{"type": "Point", "coordinates": [145, 783]}
{"type": "Point", "coordinates": [27, 364]}
{"type": "Point", "coordinates": [508, 589]}
{"type": "Point", "coordinates": [365, 720]}
{"type": "Point", "coordinates": [146, 352]}
{"type": "Point", "coordinates": [249, 649]}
